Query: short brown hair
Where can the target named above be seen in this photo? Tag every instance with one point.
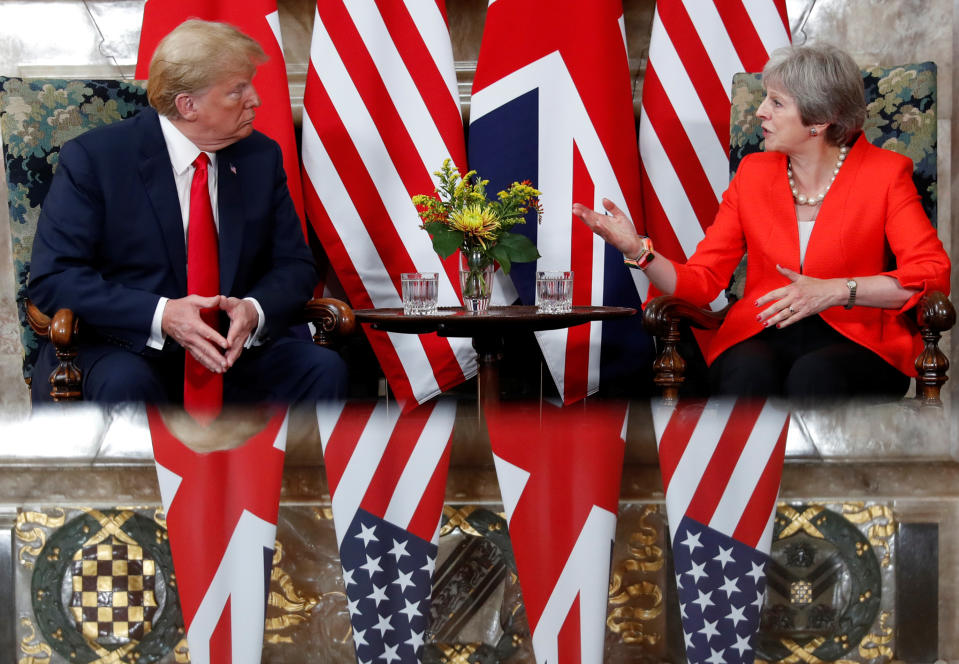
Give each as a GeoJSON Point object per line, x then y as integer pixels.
{"type": "Point", "coordinates": [194, 56]}
{"type": "Point", "coordinates": [827, 85]}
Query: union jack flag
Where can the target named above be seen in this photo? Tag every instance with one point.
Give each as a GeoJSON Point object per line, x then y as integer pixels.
{"type": "Point", "coordinates": [721, 462]}
{"type": "Point", "coordinates": [559, 471]}
{"type": "Point", "coordinates": [552, 103]}
{"type": "Point", "coordinates": [694, 50]}
{"type": "Point", "coordinates": [260, 20]}
{"type": "Point", "coordinates": [387, 476]}
{"type": "Point", "coordinates": [380, 114]}
{"type": "Point", "coordinates": [221, 510]}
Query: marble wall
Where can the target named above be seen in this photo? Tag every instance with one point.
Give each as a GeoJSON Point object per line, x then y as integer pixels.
{"type": "Point", "coordinates": [884, 491]}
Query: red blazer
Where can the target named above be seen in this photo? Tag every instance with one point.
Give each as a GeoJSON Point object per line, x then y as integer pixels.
{"type": "Point", "coordinates": [871, 222]}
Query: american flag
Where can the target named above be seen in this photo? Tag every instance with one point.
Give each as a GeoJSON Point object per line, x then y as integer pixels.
{"type": "Point", "coordinates": [694, 50]}
{"type": "Point", "coordinates": [552, 103]}
{"type": "Point", "coordinates": [721, 462]}
{"type": "Point", "coordinates": [387, 476]}
{"type": "Point", "coordinates": [381, 113]}
{"type": "Point", "coordinates": [260, 20]}
{"type": "Point", "coordinates": [559, 471]}
{"type": "Point", "coordinates": [221, 510]}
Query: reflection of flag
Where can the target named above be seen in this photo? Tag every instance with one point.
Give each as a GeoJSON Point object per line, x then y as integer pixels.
{"type": "Point", "coordinates": [221, 510]}
{"type": "Point", "coordinates": [721, 463]}
{"type": "Point", "coordinates": [552, 103]}
{"type": "Point", "coordinates": [387, 477]}
{"type": "Point", "coordinates": [694, 50]}
{"type": "Point", "coordinates": [559, 471]}
{"type": "Point", "coordinates": [381, 113]}
{"type": "Point", "coordinates": [258, 19]}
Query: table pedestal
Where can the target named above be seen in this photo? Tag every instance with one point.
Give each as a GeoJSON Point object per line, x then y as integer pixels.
{"type": "Point", "coordinates": [488, 330]}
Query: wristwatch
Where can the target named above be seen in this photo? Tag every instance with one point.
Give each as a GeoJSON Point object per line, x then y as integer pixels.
{"type": "Point", "coordinates": [851, 285]}
{"type": "Point", "coordinates": [645, 256]}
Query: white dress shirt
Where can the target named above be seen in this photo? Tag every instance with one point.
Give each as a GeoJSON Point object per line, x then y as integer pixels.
{"type": "Point", "coordinates": [182, 155]}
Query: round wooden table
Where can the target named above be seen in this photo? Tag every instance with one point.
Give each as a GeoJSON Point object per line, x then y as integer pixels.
{"type": "Point", "coordinates": [488, 331]}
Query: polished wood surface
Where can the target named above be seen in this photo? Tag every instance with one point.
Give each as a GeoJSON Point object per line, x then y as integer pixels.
{"type": "Point", "coordinates": [456, 322]}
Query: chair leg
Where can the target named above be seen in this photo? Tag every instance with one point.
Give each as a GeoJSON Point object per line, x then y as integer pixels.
{"type": "Point", "coordinates": [935, 315]}
{"type": "Point", "coordinates": [669, 369]}
{"type": "Point", "coordinates": [66, 379]}
{"type": "Point", "coordinates": [931, 367]}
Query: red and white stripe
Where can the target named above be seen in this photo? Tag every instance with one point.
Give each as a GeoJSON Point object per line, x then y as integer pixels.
{"type": "Point", "coordinates": [695, 48]}
{"type": "Point", "coordinates": [559, 471]}
{"type": "Point", "coordinates": [721, 462]}
{"type": "Point", "coordinates": [390, 464]}
{"type": "Point", "coordinates": [229, 501]}
{"type": "Point", "coordinates": [381, 113]}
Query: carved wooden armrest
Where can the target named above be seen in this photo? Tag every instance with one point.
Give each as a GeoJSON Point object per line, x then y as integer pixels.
{"type": "Point", "coordinates": [61, 331]}
{"type": "Point", "coordinates": [332, 318]}
{"type": "Point", "coordinates": [935, 314]}
{"type": "Point", "coordinates": [661, 318]}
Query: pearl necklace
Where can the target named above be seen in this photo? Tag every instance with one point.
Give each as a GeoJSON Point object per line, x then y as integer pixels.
{"type": "Point", "coordinates": [802, 199]}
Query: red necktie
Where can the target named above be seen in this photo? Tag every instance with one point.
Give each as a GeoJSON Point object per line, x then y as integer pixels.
{"type": "Point", "coordinates": [202, 389]}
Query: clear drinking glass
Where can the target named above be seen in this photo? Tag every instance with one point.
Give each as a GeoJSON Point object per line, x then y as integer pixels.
{"type": "Point", "coordinates": [554, 291]}
{"type": "Point", "coordinates": [420, 290]}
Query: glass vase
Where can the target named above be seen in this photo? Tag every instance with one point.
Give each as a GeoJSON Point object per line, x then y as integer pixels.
{"type": "Point", "coordinates": [476, 280]}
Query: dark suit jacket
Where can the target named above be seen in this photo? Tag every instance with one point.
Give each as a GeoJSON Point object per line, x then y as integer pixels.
{"type": "Point", "coordinates": [110, 237]}
{"type": "Point", "coordinates": [871, 222]}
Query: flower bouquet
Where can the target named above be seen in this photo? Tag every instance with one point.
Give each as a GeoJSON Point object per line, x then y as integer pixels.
{"type": "Point", "coordinates": [459, 216]}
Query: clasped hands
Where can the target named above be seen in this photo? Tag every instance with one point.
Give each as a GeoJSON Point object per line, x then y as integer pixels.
{"type": "Point", "coordinates": [182, 321]}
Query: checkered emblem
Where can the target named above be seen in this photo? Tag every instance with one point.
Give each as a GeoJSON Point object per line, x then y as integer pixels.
{"type": "Point", "coordinates": [113, 598]}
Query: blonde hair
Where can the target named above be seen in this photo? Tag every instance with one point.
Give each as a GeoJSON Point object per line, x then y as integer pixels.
{"type": "Point", "coordinates": [194, 56]}
{"type": "Point", "coordinates": [827, 85]}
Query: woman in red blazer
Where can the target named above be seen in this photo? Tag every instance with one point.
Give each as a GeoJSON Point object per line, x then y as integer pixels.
{"type": "Point", "coordinates": [839, 246]}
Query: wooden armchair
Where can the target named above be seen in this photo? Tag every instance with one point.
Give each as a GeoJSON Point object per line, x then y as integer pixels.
{"type": "Point", "coordinates": [901, 117]}
{"type": "Point", "coordinates": [36, 117]}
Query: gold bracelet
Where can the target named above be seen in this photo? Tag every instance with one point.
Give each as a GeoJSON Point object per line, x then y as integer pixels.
{"type": "Point", "coordinates": [645, 257]}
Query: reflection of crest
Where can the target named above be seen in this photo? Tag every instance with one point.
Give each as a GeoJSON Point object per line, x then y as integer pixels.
{"type": "Point", "coordinates": [113, 599]}
{"type": "Point", "coordinates": [479, 574]}
{"type": "Point", "coordinates": [800, 554]}
{"type": "Point", "coordinates": [102, 587]}
{"type": "Point", "coordinates": [800, 587]}
{"type": "Point", "coordinates": [824, 586]}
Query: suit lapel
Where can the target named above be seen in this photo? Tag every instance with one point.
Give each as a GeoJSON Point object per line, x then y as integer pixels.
{"type": "Point", "coordinates": [157, 174]}
{"type": "Point", "coordinates": [825, 244]}
{"type": "Point", "coordinates": [230, 206]}
{"type": "Point", "coordinates": [783, 229]}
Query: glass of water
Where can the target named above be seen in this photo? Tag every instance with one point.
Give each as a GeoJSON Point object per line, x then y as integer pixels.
{"type": "Point", "coordinates": [554, 291]}
{"type": "Point", "coordinates": [420, 291]}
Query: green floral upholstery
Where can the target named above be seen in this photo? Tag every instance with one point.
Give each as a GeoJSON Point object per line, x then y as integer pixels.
{"type": "Point", "coordinates": [901, 116]}
{"type": "Point", "coordinates": [36, 118]}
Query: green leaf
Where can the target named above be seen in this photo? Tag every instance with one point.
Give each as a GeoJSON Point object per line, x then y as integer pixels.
{"type": "Point", "coordinates": [520, 248]}
{"type": "Point", "coordinates": [445, 240]}
{"type": "Point", "coordinates": [501, 255]}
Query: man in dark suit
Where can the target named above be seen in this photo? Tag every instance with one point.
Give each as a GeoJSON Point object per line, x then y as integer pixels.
{"type": "Point", "coordinates": [114, 233]}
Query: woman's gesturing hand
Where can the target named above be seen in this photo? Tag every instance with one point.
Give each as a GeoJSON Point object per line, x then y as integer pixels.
{"type": "Point", "coordinates": [615, 228]}
{"type": "Point", "coordinates": [803, 296]}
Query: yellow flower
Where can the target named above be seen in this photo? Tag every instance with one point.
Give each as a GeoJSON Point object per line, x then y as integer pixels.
{"type": "Point", "coordinates": [476, 220]}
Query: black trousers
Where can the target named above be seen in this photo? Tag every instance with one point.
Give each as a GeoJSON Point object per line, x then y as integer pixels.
{"type": "Point", "coordinates": [807, 362]}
